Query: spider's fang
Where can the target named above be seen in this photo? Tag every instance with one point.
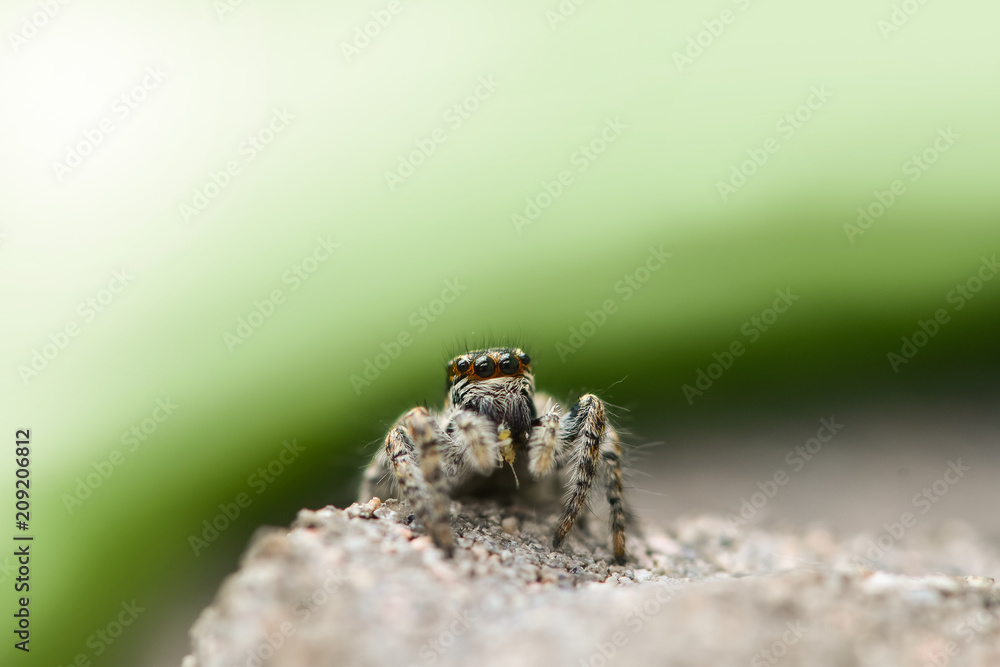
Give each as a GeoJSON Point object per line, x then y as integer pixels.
{"type": "Point", "coordinates": [506, 445]}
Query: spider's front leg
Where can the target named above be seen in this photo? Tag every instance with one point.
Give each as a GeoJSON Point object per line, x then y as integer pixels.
{"type": "Point", "coordinates": [420, 476]}
{"type": "Point", "coordinates": [543, 443]}
{"type": "Point", "coordinates": [584, 429]}
{"type": "Point", "coordinates": [474, 441]}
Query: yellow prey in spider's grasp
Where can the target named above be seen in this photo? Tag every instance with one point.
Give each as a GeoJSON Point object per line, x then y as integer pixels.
{"type": "Point", "coordinates": [493, 418]}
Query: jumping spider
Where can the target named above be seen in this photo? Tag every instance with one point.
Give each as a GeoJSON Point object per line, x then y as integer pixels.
{"type": "Point", "coordinates": [492, 416]}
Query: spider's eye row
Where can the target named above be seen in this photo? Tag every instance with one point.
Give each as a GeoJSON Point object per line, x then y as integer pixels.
{"type": "Point", "coordinates": [508, 364]}
{"type": "Point", "coordinates": [462, 365]}
{"type": "Point", "coordinates": [485, 366]}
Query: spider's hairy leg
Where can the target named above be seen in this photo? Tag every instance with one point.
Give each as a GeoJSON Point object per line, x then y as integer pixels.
{"type": "Point", "coordinates": [543, 444]}
{"type": "Point", "coordinates": [611, 454]}
{"type": "Point", "coordinates": [374, 476]}
{"type": "Point", "coordinates": [421, 480]}
{"type": "Point", "coordinates": [474, 440]}
{"type": "Point", "coordinates": [584, 428]}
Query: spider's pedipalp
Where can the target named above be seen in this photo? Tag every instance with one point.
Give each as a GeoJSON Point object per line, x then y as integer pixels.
{"type": "Point", "coordinates": [420, 477]}
{"type": "Point", "coordinates": [543, 444]}
{"type": "Point", "coordinates": [474, 440]}
{"type": "Point", "coordinates": [584, 428]}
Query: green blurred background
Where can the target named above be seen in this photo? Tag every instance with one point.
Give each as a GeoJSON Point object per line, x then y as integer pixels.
{"type": "Point", "coordinates": [688, 90]}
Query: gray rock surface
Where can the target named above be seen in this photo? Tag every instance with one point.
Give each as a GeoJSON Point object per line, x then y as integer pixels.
{"type": "Point", "coordinates": [362, 586]}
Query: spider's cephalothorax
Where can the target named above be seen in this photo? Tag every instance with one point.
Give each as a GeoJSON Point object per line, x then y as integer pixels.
{"type": "Point", "coordinates": [497, 384]}
{"type": "Point", "coordinates": [493, 417]}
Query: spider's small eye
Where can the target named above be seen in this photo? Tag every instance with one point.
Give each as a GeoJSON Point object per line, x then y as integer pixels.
{"type": "Point", "coordinates": [525, 359]}
{"type": "Point", "coordinates": [462, 365]}
{"type": "Point", "coordinates": [485, 366]}
{"type": "Point", "coordinates": [508, 364]}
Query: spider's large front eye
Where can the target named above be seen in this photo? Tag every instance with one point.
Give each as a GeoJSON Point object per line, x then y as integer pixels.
{"type": "Point", "coordinates": [485, 366]}
{"type": "Point", "coordinates": [508, 364]}
{"type": "Point", "coordinates": [462, 365]}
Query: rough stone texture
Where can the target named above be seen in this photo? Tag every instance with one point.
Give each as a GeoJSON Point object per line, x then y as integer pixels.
{"type": "Point", "coordinates": [362, 586]}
